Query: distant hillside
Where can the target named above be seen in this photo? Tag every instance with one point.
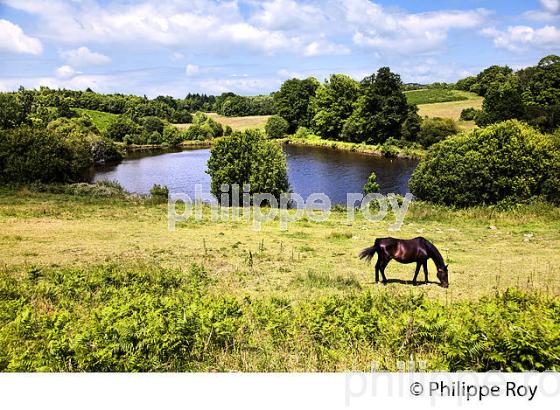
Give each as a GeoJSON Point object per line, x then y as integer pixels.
{"type": "Point", "coordinates": [430, 96]}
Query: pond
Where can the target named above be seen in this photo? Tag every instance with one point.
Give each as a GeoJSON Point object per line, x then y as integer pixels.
{"type": "Point", "coordinates": [310, 170]}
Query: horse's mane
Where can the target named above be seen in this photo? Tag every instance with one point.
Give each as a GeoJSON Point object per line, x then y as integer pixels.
{"type": "Point", "coordinates": [436, 255]}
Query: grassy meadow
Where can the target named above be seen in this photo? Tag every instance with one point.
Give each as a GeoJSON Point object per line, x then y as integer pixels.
{"type": "Point", "coordinates": [99, 118]}
{"type": "Point", "coordinates": [435, 95]}
{"type": "Point", "coordinates": [100, 280]}
{"type": "Point", "coordinates": [432, 106]}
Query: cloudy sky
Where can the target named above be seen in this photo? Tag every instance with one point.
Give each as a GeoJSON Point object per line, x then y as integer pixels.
{"type": "Point", "coordinates": [171, 47]}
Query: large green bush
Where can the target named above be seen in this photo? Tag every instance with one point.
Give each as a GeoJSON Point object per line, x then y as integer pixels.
{"type": "Point", "coordinates": [248, 158]}
{"type": "Point", "coordinates": [436, 129]}
{"type": "Point", "coordinates": [508, 160]}
{"type": "Point", "coordinates": [276, 127]}
{"type": "Point", "coordinates": [30, 154]}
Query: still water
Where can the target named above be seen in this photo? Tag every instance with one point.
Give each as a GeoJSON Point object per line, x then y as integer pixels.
{"type": "Point", "coordinates": [310, 170]}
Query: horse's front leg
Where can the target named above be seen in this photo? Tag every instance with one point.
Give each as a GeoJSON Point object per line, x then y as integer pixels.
{"type": "Point", "coordinates": [418, 264]}
{"type": "Point", "coordinates": [426, 271]}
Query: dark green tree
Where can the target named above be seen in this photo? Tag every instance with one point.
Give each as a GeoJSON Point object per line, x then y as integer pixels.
{"type": "Point", "coordinates": [503, 101]}
{"type": "Point", "coordinates": [380, 111]}
{"type": "Point", "coordinates": [248, 158]}
{"type": "Point", "coordinates": [334, 102]}
{"type": "Point", "coordinates": [293, 101]}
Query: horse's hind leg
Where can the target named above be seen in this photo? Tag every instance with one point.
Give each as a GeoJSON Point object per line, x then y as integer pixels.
{"type": "Point", "coordinates": [384, 264]}
{"type": "Point", "coordinates": [377, 269]}
{"type": "Point", "coordinates": [418, 264]}
{"type": "Point", "coordinates": [426, 271]}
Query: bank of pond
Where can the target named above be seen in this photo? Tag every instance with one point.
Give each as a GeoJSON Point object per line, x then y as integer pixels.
{"type": "Point", "coordinates": [310, 170]}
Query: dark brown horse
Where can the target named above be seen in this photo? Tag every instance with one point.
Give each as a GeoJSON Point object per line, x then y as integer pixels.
{"type": "Point", "coordinates": [417, 250]}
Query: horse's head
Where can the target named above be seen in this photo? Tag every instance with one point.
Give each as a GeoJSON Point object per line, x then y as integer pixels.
{"type": "Point", "coordinates": [443, 276]}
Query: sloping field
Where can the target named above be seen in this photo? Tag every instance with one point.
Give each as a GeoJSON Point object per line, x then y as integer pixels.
{"type": "Point", "coordinates": [99, 118]}
{"type": "Point", "coordinates": [236, 123]}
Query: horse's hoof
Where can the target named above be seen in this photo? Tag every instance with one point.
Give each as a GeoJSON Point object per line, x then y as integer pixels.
{"type": "Point", "coordinates": [414, 283]}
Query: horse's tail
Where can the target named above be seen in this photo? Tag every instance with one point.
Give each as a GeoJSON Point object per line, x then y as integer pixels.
{"type": "Point", "coordinates": [368, 253]}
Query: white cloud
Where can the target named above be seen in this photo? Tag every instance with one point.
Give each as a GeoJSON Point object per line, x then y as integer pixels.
{"type": "Point", "coordinates": [398, 31]}
{"type": "Point", "coordinates": [520, 38]}
{"type": "Point", "coordinates": [203, 24]}
{"type": "Point", "coordinates": [241, 85]}
{"type": "Point", "coordinates": [552, 6]}
{"type": "Point", "coordinates": [65, 71]}
{"type": "Point", "coordinates": [83, 56]}
{"type": "Point", "coordinates": [192, 69]}
{"type": "Point", "coordinates": [288, 15]}
{"type": "Point", "coordinates": [14, 40]}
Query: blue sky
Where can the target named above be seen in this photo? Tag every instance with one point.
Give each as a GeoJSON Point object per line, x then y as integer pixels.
{"type": "Point", "coordinates": [171, 47]}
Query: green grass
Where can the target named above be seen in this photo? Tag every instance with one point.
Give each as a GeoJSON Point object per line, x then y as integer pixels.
{"type": "Point", "coordinates": [101, 119]}
{"type": "Point", "coordinates": [93, 283]}
{"type": "Point", "coordinates": [430, 96]}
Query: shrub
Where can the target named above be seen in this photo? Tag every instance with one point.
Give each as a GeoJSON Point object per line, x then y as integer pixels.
{"type": "Point", "coordinates": [105, 189]}
{"type": "Point", "coordinates": [159, 193]}
{"type": "Point", "coordinates": [204, 127]}
{"type": "Point", "coordinates": [38, 154]}
{"type": "Point", "coordinates": [303, 132]}
{"type": "Point", "coordinates": [371, 185]}
{"type": "Point", "coordinates": [390, 148]}
{"type": "Point", "coordinates": [470, 114]}
{"type": "Point", "coordinates": [505, 160]}
{"type": "Point", "coordinates": [171, 135]}
{"type": "Point", "coordinates": [276, 127]}
{"type": "Point", "coordinates": [248, 158]}
{"type": "Point", "coordinates": [228, 130]}
{"type": "Point", "coordinates": [433, 130]}
{"type": "Point", "coordinates": [152, 124]}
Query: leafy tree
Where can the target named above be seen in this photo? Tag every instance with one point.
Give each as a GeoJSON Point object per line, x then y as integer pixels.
{"type": "Point", "coordinates": [171, 135]}
{"type": "Point", "coordinates": [334, 102]}
{"type": "Point", "coordinates": [235, 105]}
{"type": "Point", "coordinates": [380, 111]}
{"type": "Point", "coordinates": [293, 101]}
{"type": "Point", "coordinates": [466, 83]}
{"type": "Point", "coordinates": [371, 186]}
{"type": "Point", "coordinates": [121, 127]}
{"type": "Point", "coordinates": [541, 92]}
{"type": "Point", "coordinates": [503, 101]}
{"type": "Point", "coordinates": [206, 125]}
{"type": "Point", "coordinates": [152, 124]}
{"type": "Point", "coordinates": [276, 127]}
{"type": "Point", "coordinates": [412, 124]}
{"type": "Point", "coordinates": [436, 129]}
{"type": "Point", "coordinates": [508, 160]}
{"type": "Point", "coordinates": [248, 158]}
{"type": "Point", "coordinates": [492, 75]}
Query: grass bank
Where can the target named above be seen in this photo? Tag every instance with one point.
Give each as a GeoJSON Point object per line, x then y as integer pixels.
{"type": "Point", "coordinates": [99, 283]}
{"type": "Point", "coordinates": [376, 150]}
